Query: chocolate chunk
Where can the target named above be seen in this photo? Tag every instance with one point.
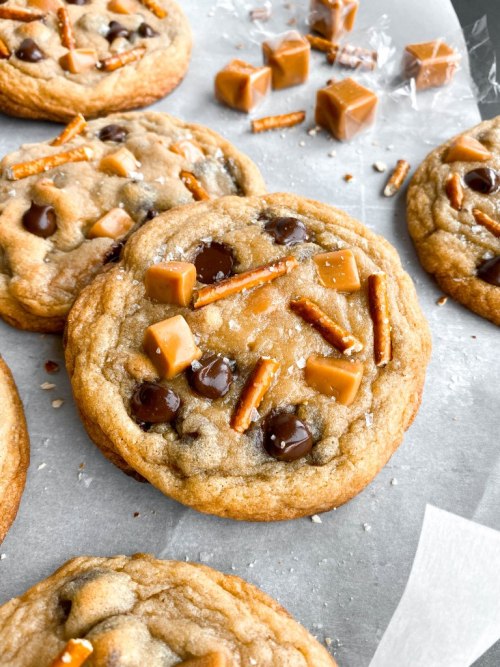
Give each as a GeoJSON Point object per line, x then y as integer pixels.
{"type": "Point", "coordinates": [214, 261]}
{"type": "Point", "coordinates": [51, 366]}
{"type": "Point", "coordinates": [145, 30]}
{"type": "Point", "coordinates": [483, 180]}
{"type": "Point", "coordinates": [489, 271]}
{"type": "Point", "coordinates": [287, 231]}
{"type": "Point", "coordinates": [29, 51]}
{"type": "Point", "coordinates": [152, 213]}
{"type": "Point", "coordinates": [286, 438]}
{"type": "Point", "coordinates": [116, 133]}
{"type": "Point", "coordinates": [152, 403]}
{"type": "Point", "coordinates": [212, 376]}
{"type": "Point", "coordinates": [116, 29]}
{"type": "Point", "coordinates": [40, 220]}
{"type": "Point", "coordinates": [114, 253]}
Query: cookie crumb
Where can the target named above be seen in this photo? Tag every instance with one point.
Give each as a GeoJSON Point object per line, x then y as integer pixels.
{"type": "Point", "coordinates": [47, 385]}
{"type": "Point", "coordinates": [136, 514]}
{"type": "Point", "coordinates": [51, 366]}
{"type": "Point", "coordinates": [328, 641]}
{"type": "Point", "coordinates": [57, 402]}
{"type": "Point", "coordinates": [442, 300]}
{"type": "Point", "coordinates": [316, 519]}
{"type": "Point", "coordinates": [348, 178]}
{"type": "Point", "coordinates": [380, 166]}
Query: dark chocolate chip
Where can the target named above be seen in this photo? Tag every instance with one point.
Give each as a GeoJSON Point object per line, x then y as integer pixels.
{"type": "Point", "coordinates": [286, 438]}
{"type": "Point", "coordinates": [489, 271]}
{"type": "Point", "coordinates": [29, 51]}
{"type": "Point", "coordinates": [214, 261]}
{"type": "Point", "coordinates": [116, 29]}
{"type": "Point", "coordinates": [51, 366]}
{"type": "Point", "coordinates": [212, 376]}
{"type": "Point", "coordinates": [114, 253]}
{"type": "Point", "coordinates": [145, 30]}
{"type": "Point", "coordinates": [40, 220]}
{"type": "Point", "coordinates": [152, 403]}
{"type": "Point", "coordinates": [287, 231]}
{"type": "Point", "coordinates": [483, 180]}
{"type": "Point", "coordinates": [152, 213]}
{"type": "Point", "coordinates": [116, 133]}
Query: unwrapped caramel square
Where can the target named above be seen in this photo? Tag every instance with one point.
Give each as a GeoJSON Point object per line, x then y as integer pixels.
{"type": "Point", "coordinates": [79, 60]}
{"type": "Point", "coordinates": [121, 163]}
{"type": "Point", "coordinates": [113, 225]}
{"type": "Point", "coordinates": [171, 282]}
{"type": "Point", "coordinates": [241, 85]}
{"type": "Point", "coordinates": [338, 270]}
{"type": "Point", "coordinates": [334, 377]}
{"type": "Point", "coordinates": [431, 64]}
{"type": "Point", "coordinates": [467, 149]}
{"type": "Point", "coordinates": [331, 18]}
{"type": "Point", "coordinates": [170, 346]}
{"type": "Point", "coordinates": [345, 107]}
{"type": "Point", "coordinates": [288, 57]}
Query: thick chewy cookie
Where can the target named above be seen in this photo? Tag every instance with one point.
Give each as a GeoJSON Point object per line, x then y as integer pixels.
{"type": "Point", "coordinates": [14, 449]}
{"type": "Point", "coordinates": [59, 58]}
{"type": "Point", "coordinates": [59, 225]}
{"type": "Point", "coordinates": [139, 611]}
{"type": "Point", "coordinates": [454, 217]}
{"type": "Point", "coordinates": [282, 388]}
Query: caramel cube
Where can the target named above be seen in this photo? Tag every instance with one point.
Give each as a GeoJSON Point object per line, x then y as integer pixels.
{"type": "Point", "coordinates": [338, 270]}
{"type": "Point", "coordinates": [242, 86]}
{"type": "Point", "coordinates": [187, 149]}
{"type": "Point", "coordinates": [331, 18]}
{"type": "Point", "coordinates": [121, 163]}
{"type": "Point", "coordinates": [345, 108]}
{"type": "Point", "coordinates": [431, 64]}
{"type": "Point", "coordinates": [115, 224]}
{"type": "Point", "coordinates": [78, 60]}
{"type": "Point", "coordinates": [467, 149]}
{"type": "Point", "coordinates": [170, 346]}
{"type": "Point", "coordinates": [122, 6]}
{"type": "Point", "coordinates": [288, 57]}
{"type": "Point", "coordinates": [334, 377]}
{"type": "Point", "coordinates": [171, 282]}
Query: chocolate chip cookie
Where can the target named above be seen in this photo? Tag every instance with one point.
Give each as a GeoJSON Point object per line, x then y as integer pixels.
{"type": "Point", "coordinates": [139, 611]}
{"type": "Point", "coordinates": [454, 217]}
{"type": "Point", "coordinates": [257, 358]}
{"type": "Point", "coordinates": [14, 449]}
{"type": "Point", "coordinates": [59, 58]}
{"type": "Point", "coordinates": [66, 207]}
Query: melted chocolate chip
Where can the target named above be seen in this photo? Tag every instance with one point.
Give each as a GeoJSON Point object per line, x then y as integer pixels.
{"type": "Point", "coordinates": [152, 213]}
{"type": "Point", "coordinates": [40, 220]}
{"type": "Point", "coordinates": [287, 231]}
{"type": "Point", "coordinates": [116, 29]}
{"type": "Point", "coordinates": [214, 261]}
{"type": "Point", "coordinates": [489, 271]}
{"type": "Point", "coordinates": [29, 51]}
{"type": "Point", "coordinates": [145, 30]}
{"type": "Point", "coordinates": [483, 180]}
{"type": "Point", "coordinates": [116, 133]}
{"type": "Point", "coordinates": [286, 438]}
{"type": "Point", "coordinates": [212, 376]}
{"type": "Point", "coordinates": [152, 403]}
{"type": "Point", "coordinates": [114, 253]}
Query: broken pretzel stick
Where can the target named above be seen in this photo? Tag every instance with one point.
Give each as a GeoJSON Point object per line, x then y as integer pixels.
{"type": "Point", "coordinates": [320, 43]}
{"type": "Point", "coordinates": [246, 280]}
{"type": "Point", "coordinates": [278, 122]}
{"type": "Point", "coordinates": [154, 7]}
{"type": "Point", "coordinates": [25, 169]}
{"type": "Point", "coordinates": [397, 178]}
{"type": "Point", "coordinates": [332, 332]}
{"type": "Point", "coordinates": [260, 14]}
{"type": "Point", "coordinates": [72, 129]}
{"type": "Point", "coordinates": [4, 50]}
{"type": "Point", "coordinates": [121, 59]}
{"type": "Point", "coordinates": [20, 14]}
{"type": "Point", "coordinates": [484, 219]}
{"type": "Point", "coordinates": [74, 654]}
{"type": "Point", "coordinates": [353, 57]}
{"type": "Point", "coordinates": [379, 311]}
{"type": "Point", "coordinates": [191, 182]}
{"type": "Point", "coordinates": [454, 191]}
{"type": "Point", "coordinates": [253, 392]}
{"type": "Point", "coordinates": [65, 28]}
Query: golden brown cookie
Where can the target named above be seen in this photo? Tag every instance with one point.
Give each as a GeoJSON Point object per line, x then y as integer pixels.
{"type": "Point", "coordinates": [139, 611]}
{"type": "Point", "coordinates": [59, 58]}
{"type": "Point", "coordinates": [454, 217]}
{"type": "Point", "coordinates": [14, 449]}
{"type": "Point", "coordinates": [284, 385]}
{"type": "Point", "coordinates": [60, 225]}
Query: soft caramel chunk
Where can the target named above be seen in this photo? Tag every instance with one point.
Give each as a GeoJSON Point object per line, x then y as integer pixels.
{"type": "Point", "coordinates": [115, 224]}
{"type": "Point", "coordinates": [212, 660]}
{"type": "Point", "coordinates": [171, 282]}
{"type": "Point", "coordinates": [431, 64]}
{"type": "Point", "coordinates": [170, 346]}
{"type": "Point", "coordinates": [188, 149]}
{"type": "Point", "coordinates": [345, 108]}
{"type": "Point", "coordinates": [334, 377]}
{"type": "Point", "coordinates": [338, 270]}
{"type": "Point", "coordinates": [78, 60]}
{"type": "Point", "coordinates": [121, 163]}
{"type": "Point", "coordinates": [288, 57]}
{"type": "Point", "coordinates": [242, 86]}
{"type": "Point", "coordinates": [122, 6]}
{"type": "Point", "coordinates": [467, 149]}
{"type": "Point", "coordinates": [331, 18]}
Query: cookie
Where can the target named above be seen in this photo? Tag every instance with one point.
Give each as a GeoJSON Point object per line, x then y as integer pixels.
{"type": "Point", "coordinates": [61, 224]}
{"type": "Point", "coordinates": [454, 217]}
{"type": "Point", "coordinates": [93, 57]}
{"type": "Point", "coordinates": [283, 386]}
{"type": "Point", "coordinates": [138, 611]}
{"type": "Point", "coordinates": [14, 449]}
